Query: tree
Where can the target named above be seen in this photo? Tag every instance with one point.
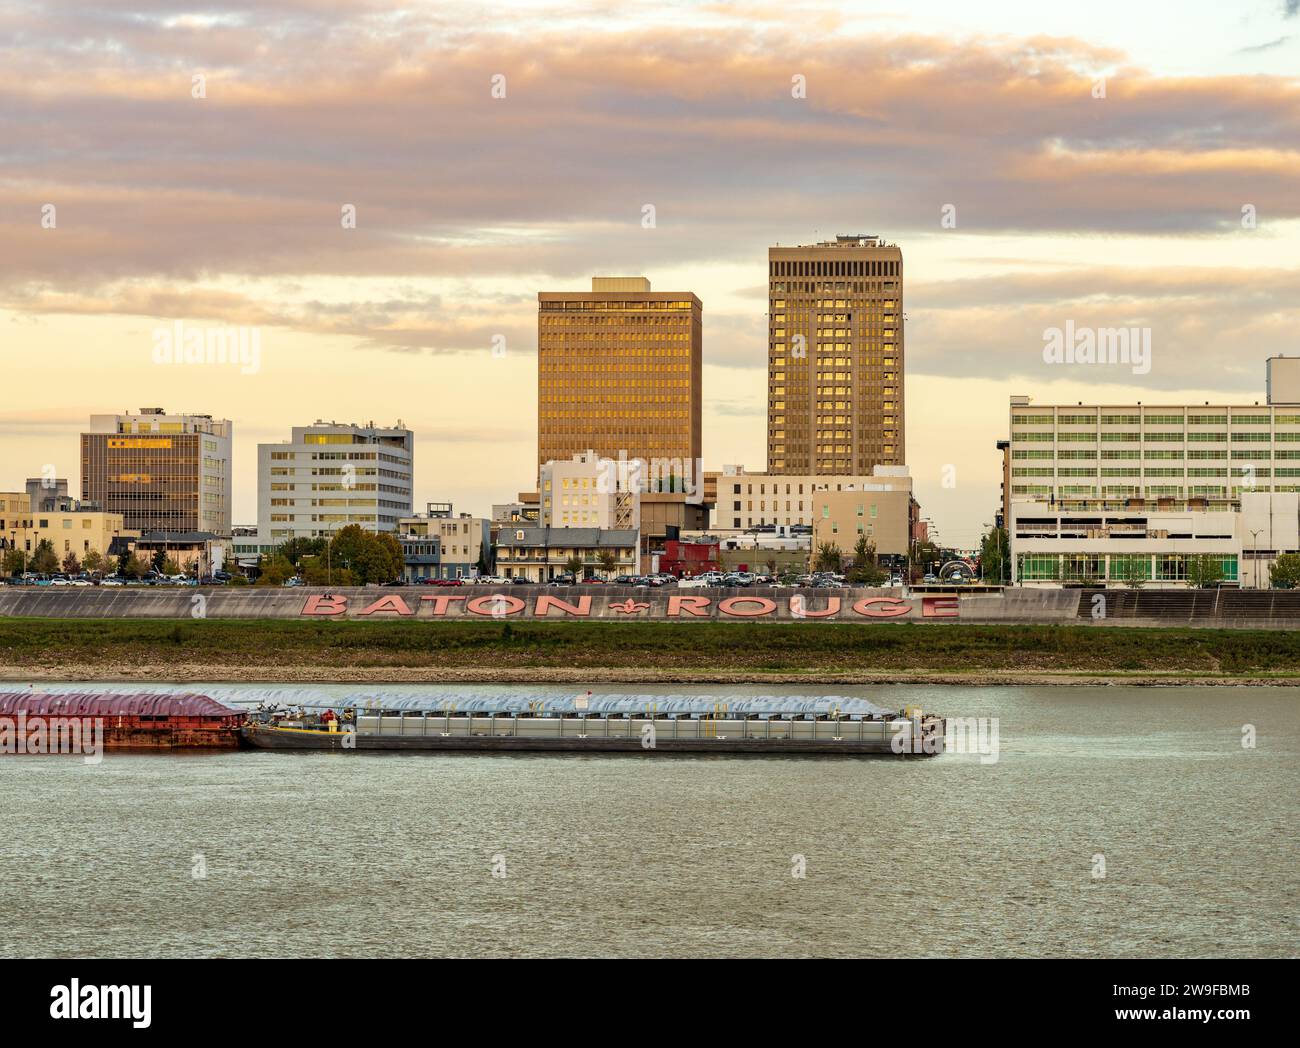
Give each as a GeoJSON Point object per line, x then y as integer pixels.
{"type": "Point", "coordinates": [608, 561]}
{"type": "Point", "coordinates": [44, 560]}
{"type": "Point", "coordinates": [294, 550]}
{"type": "Point", "coordinates": [94, 561]}
{"type": "Point", "coordinates": [865, 570]}
{"type": "Point", "coordinates": [355, 557]}
{"type": "Point", "coordinates": [136, 566]}
{"type": "Point", "coordinates": [71, 566]}
{"type": "Point", "coordinates": [13, 561]}
{"type": "Point", "coordinates": [995, 555]}
{"type": "Point", "coordinates": [1285, 572]}
{"type": "Point", "coordinates": [926, 557]}
{"type": "Point", "coordinates": [574, 566]}
{"type": "Point", "coordinates": [828, 558]}
{"type": "Point", "coordinates": [1204, 569]}
{"type": "Point", "coordinates": [316, 572]}
{"type": "Point", "coordinates": [274, 569]}
{"type": "Point", "coordinates": [159, 561]}
{"type": "Point", "coordinates": [1129, 571]}
{"type": "Point", "coordinates": [396, 561]}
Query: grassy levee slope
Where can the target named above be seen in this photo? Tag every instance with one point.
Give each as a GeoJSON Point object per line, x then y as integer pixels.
{"type": "Point", "coordinates": [86, 649]}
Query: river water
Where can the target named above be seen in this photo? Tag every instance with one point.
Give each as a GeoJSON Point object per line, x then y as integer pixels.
{"type": "Point", "coordinates": [274, 854]}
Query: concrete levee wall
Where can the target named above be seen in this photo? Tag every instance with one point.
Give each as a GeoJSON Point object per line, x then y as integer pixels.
{"type": "Point", "coordinates": [1240, 609]}
{"type": "Point", "coordinates": [608, 603]}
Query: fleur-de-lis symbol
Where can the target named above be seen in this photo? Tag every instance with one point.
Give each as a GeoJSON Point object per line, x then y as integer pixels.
{"type": "Point", "coordinates": [627, 607]}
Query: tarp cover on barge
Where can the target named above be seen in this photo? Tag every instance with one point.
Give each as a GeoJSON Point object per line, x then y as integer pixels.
{"type": "Point", "coordinates": [509, 704]}
{"type": "Point", "coordinates": [121, 704]}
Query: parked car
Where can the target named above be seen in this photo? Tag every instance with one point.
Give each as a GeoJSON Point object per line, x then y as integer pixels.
{"type": "Point", "coordinates": [930, 578]}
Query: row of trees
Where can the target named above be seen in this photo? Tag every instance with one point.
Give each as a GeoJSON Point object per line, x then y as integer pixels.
{"type": "Point", "coordinates": [606, 558]}
{"type": "Point", "coordinates": [352, 557]}
{"type": "Point", "coordinates": [864, 569]}
{"type": "Point", "coordinates": [44, 560]}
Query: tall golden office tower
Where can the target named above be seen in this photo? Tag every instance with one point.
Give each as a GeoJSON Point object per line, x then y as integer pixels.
{"type": "Point", "coordinates": [835, 357]}
{"type": "Point", "coordinates": [619, 371]}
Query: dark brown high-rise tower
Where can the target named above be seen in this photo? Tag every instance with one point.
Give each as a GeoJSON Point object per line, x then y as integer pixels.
{"type": "Point", "coordinates": [835, 357]}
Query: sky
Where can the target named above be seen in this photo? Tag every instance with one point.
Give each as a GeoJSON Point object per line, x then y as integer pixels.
{"type": "Point", "coordinates": [1104, 164]}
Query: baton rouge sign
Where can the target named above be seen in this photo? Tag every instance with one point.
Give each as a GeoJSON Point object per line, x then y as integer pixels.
{"type": "Point", "coordinates": [546, 606]}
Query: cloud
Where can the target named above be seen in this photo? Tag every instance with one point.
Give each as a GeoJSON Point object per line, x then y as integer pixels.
{"type": "Point", "coordinates": [228, 207]}
{"type": "Point", "coordinates": [1256, 48]}
{"type": "Point", "coordinates": [1211, 328]}
{"type": "Point", "coordinates": [305, 113]}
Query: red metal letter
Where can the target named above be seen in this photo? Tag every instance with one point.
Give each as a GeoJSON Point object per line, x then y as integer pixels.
{"type": "Point", "coordinates": [892, 609]}
{"type": "Point", "coordinates": [546, 602]}
{"type": "Point", "coordinates": [940, 607]}
{"type": "Point", "coordinates": [730, 606]}
{"type": "Point", "coordinates": [392, 603]}
{"type": "Point", "coordinates": [325, 604]}
{"type": "Point", "coordinates": [832, 608]}
{"type": "Point", "coordinates": [495, 605]}
{"type": "Point", "coordinates": [440, 602]}
{"type": "Point", "coordinates": [677, 606]}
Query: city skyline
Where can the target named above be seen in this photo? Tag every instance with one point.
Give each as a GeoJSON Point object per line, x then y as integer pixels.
{"type": "Point", "coordinates": [1123, 209]}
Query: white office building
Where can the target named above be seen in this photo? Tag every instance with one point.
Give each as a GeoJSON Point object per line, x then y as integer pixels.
{"type": "Point", "coordinates": [1104, 493]}
{"type": "Point", "coordinates": [329, 475]}
{"type": "Point", "coordinates": [743, 501]}
{"type": "Point", "coordinates": [590, 491]}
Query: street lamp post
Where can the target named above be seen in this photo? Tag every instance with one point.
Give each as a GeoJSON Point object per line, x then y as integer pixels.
{"type": "Point", "coordinates": [1254, 543]}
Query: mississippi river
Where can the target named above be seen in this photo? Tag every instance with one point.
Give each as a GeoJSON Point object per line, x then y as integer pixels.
{"type": "Point", "coordinates": [1114, 821]}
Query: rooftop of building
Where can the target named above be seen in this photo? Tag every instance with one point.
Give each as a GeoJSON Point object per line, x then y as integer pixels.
{"type": "Point", "coordinates": [566, 537]}
{"type": "Point", "coordinates": [842, 241]}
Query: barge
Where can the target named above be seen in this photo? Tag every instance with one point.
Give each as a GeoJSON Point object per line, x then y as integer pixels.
{"type": "Point", "coordinates": [613, 724]}
{"type": "Point", "coordinates": [32, 722]}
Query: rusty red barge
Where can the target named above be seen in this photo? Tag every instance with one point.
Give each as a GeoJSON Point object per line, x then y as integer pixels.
{"type": "Point", "coordinates": [31, 722]}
